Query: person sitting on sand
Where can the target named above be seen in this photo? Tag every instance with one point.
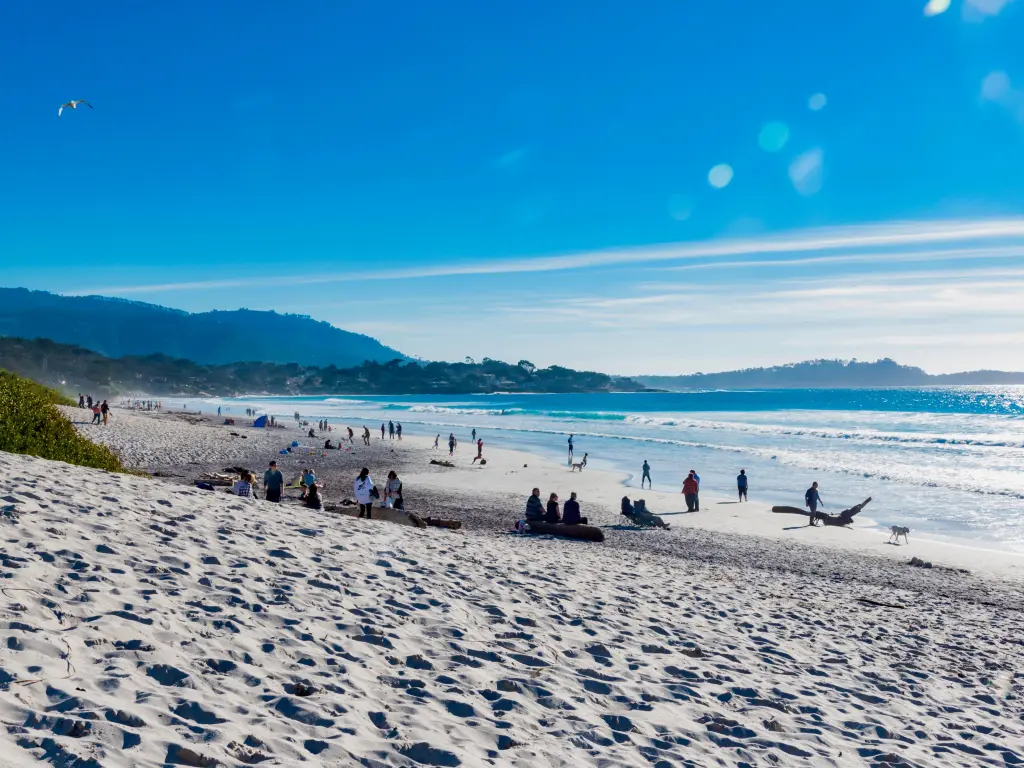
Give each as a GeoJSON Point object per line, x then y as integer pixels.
{"type": "Point", "coordinates": [243, 486]}
{"type": "Point", "coordinates": [363, 489]}
{"type": "Point", "coordinates": [534, 507]}
{"type": "Point", "coordinates": [571, 512]}
{"type": "Point", "coordinates": [328, 445]}
{"type": "Point", "coordinates": [311, 433]}
{"type": "Point", "coordinates": [313, 500]}
{"type": "Point", "coordinates": [552, 516]}
{"type": "Point", "coordinates": [309, 481]}
{"type": "Point", "coordinates": [393, 492]}
{"type": "Point", "coordinates": [627, 507]}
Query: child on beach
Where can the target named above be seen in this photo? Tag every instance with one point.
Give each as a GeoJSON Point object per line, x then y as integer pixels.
{"type": "Point", "coordinates": [436, 440]}
{"type": "Point", "coordinates": [479, 450]}
{"type": "Point", "coordinates": [351, 436]}
{"type": "Point", "coordinates": [393, 492]}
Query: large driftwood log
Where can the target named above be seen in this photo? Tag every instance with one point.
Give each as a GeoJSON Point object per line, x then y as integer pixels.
{"type": "Point", "coordinates": [844, 518]}
{"type": "Point", "coordinates": [585, 532]}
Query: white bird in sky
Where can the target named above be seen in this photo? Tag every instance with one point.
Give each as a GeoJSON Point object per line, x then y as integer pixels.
{"type": "Point", "coordinates": [73, 104]}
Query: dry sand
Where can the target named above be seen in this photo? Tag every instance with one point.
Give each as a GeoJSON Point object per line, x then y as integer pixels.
{"type": "Point", "coordinates": [149, 623]}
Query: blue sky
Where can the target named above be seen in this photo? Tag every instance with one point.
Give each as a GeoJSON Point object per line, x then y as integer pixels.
{"type": "Point", "coordinates": [532, 179]}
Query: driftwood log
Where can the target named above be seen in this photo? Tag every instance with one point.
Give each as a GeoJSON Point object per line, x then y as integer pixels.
{"type": "Point", "coordinates": [584, 532]}
{"type": "Point", "coordinates": [438, 463]}
{"type": "Point", "coordinates": [436, 522]}
{"type": "Point", "coordinates": [844, 518]}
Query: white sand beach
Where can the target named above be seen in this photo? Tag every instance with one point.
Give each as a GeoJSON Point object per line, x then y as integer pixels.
{"type": "Point", "coordinates": [149, 623]}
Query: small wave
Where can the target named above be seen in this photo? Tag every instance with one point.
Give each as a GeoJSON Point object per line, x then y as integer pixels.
{"type": "Point", "coordinates": [464, 411]}
{"type": "Point", "coordinates": [343, 401]}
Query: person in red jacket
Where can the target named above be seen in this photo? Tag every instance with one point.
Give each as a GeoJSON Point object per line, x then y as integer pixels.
{"type": "Point", "coordinates": [690, 489]}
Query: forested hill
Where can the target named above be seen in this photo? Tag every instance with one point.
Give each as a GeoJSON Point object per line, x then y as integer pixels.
{"type": "Point", "coordinates": [73, 370]}
{"type": "Point", "coordinates": [828, 374]}
{"type": "Point", "coordinates": [117, 327]}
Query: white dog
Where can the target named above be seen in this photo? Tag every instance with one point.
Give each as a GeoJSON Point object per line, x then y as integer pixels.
{"type": "Point", "coordinates": [897, 531]}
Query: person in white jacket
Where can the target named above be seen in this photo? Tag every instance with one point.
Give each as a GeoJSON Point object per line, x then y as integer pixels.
{"type": "Point", "coordinates": [362, 488]}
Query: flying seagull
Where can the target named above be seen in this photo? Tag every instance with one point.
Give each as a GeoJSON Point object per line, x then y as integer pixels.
{"type": "Point", "coordinates": [73, 104]}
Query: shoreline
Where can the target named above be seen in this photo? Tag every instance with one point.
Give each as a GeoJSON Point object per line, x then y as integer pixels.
{"type": "Point", "coordinates": [598, 489]}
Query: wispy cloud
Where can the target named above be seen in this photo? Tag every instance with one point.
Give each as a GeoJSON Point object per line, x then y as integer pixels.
{"type": "Point", "coordinates": [899, 235]}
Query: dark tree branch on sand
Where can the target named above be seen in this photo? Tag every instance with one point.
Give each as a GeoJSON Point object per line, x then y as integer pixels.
{"type": "Point", "coordinates": [842, 519]}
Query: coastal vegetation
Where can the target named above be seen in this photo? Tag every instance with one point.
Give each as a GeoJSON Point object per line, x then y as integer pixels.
{"type": "Point", "coordinates": [30, 423]}
{"type": "Point", "coordinates": [73, 369]}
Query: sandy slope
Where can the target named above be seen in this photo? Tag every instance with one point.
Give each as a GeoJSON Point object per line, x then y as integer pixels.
{"type": "Point", "coordinates": [148, 624]}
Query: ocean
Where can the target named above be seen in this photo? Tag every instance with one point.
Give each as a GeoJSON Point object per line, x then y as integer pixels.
{"type": "Point", "coordinates": [946, 461]}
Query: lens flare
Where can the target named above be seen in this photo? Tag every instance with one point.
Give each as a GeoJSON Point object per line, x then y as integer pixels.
{"type": "Point", "coordinates": [720, 176]}
{"type": "Point", "coordinates": [773, 137]}
{"type": "Point", "coordinates": [817, 102]}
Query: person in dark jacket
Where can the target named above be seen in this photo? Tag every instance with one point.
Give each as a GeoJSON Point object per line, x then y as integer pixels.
{"type": "Point", "coordinates": [812, 499]}
{"type": "Point", "coordinates": [571, 512]}
{"type": "Point", "coordinates": [552, 516]}
{"type": "Point", "coordinates": [741, 484]}
{"type": "Point", "coordinates": [534, 507]}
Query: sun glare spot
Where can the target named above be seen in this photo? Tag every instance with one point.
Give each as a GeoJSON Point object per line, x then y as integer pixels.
{"type": "Point", "coordinates": [720, 176]}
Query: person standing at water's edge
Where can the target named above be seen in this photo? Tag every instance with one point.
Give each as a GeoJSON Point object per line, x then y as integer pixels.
{"type": "Point", "coordinates": [812, 499]}
{"type": "Point", "coordinates": [696, 495]}
{"type": "Point", "coordinates": [391, 430]}
{"type": "Point", "coordinates": [452, 442]}
{"type": "Point", "coordinates": [690, 489]}
{"type": "Point", "coordinates": [647, 475]}
{"type": "Point", "coordinates": [273, 482]}
{"type": "Point", "coordinates": [741, 484]}
{"type": "Point", "coordinates": [381, 431]}
{"type": "Point", "coordinates": [570, 448]}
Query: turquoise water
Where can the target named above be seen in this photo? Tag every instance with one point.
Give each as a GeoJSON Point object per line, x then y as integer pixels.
{"type": "Point", "coordinates": [946, 461]}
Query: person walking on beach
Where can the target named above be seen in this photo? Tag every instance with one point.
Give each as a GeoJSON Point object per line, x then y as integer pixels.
{"type": "Point", "coordinates": [105, 410]}
{"type": "Point", "coordinates": [273, 482]}
{"type": "Point", "coordinates": [96, 415]}
{"type": "Point", "coordinates": [81, 400]}
{"type": "Point", "coordinates": [391, 430]}
{"type": "Point", "coordinates": [88, 400]}
{"type": "Point", "coordinates": [479, 449]}
{"type": "Point", "coordinates": [366, 435]}
{"type": "Point", "coordinates": [690, 489]}
{"type": "Point", "coordinates": [647, 475]}
{"type": "Point", "coordinates": [363, 487]}
{"type": "Point", "coordinates": [437, 440]}
{"type": "Point", "coordinates": [381, 431]}
{"type": "Point", "coordinates": [812, 499]}
{"type": "Point", "coordinates": [474, 433]}
{"type": "Point", "coordinates": [452, 442]}
{"type": "Point", "coordinates": [398, 430]}
{"type": "Point", "coordinates": [351, 436]}
{"type": "Point", "coordinates": [741, 484]}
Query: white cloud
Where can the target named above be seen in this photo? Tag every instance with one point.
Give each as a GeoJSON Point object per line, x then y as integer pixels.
{"type": "Point", "coordinates": [895, 235]}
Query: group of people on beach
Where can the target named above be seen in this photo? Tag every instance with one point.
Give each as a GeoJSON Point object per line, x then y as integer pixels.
{"type": "Point", "coordinates": [138, 405]}
{"type": "Point", "coordinates": [394, 430]}
{"type": "Point", "coordinates": [100, 411]}
{"type": "Point", "coordinates": [537, 512]}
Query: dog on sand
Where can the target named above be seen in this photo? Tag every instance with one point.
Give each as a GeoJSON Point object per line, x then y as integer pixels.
{"type": "Point", "coordinates": [897, 531]}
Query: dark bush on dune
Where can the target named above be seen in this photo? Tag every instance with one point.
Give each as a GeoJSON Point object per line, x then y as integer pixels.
{"type": "Point", "coordinates": [31, 424]}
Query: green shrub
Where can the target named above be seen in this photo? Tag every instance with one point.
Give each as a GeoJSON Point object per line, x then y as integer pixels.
{"type": "Point", "coordinates": [31, 424]}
